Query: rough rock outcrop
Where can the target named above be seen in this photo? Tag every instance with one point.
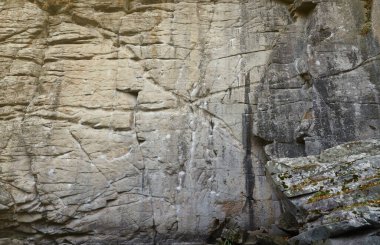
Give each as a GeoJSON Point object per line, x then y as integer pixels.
{"type": "Point", "coordinates": [148, 121]}
{"type": "Point", "coordinates": [333, 194]}
{"type": "Point", "coordinates": [321, 86]}
{"type": "Point", "coordinates": [130, 121]}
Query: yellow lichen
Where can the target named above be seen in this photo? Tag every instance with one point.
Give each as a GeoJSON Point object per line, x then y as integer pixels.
{"type": "Point", "coordinates": [369, 185]}
{"type": "Point", "coordinates": [321, 195]}
{"type": "Point", "coordinates": [375, 203]}
{"type": "Point", "coordinates": [309, 181]}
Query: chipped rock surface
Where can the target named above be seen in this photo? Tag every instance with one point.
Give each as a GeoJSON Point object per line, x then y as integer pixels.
{"type": "Point", "coordinates": [122, 121]}
{"type": "Point", "coordinates": [147, 121]}
{"type": "Point", "coordinates": [321, 86]}
{"type": "Point", "coordinates": [334, 193]}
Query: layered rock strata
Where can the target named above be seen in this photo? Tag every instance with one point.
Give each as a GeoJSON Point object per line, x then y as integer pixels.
{"type": "Point", "coordinates": [333, 194]}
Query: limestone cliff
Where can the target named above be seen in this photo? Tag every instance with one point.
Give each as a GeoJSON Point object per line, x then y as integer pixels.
{"type": "Point", "coordinates": [150, 121]}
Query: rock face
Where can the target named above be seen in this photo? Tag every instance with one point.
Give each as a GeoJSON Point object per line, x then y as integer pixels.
{"type": "Point", "coordinates": [321, 86]}
{"type": "Point", "coordinates": [334, 193]}
{"type": "Point", "coordinates": [149, 121]}
{"type": "Point", "coordinates": [122, 121]}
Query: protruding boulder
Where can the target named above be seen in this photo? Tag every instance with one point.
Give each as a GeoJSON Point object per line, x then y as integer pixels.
{"type": "Point", "coordinates": [334, 193]}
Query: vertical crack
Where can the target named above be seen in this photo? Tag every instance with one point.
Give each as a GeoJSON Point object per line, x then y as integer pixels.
{"type": "Point", "coordinates": [247, 123]}
{"type": "Point", "coordinates": [155, 231]}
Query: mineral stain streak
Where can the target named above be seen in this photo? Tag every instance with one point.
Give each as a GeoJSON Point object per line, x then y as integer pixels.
{"type": "Point", "coordinates": [247, 143]}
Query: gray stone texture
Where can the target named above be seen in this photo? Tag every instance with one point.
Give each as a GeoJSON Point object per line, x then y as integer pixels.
{"type": "Point", "coordinates": [149, 121]}
{"type": "Point", "coordinates": [321, 86]}
{"type": "Point", "coordinates": [334, 194]}
{"type": "Point", "coordinates": [122, 121]}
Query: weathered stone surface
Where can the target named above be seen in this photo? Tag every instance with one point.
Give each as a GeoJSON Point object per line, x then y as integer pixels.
{"type": "Point", "coordinates": [122, 121]}
{"type": "Point", "coordinates": [370, 238]}
{"type": "Point", "coordinates": [321, 87]}
{"type": "Point", "coordinates": [334, 193]}
{"type": "Point", "coordinates": [137, 121]}
{"type": "Point", "coordinates": [261, 237]}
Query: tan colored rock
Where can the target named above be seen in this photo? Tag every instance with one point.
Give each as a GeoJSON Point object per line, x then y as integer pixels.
{"type": "Point", "coordinates": [124, 120]}
{"type": "Point", "coordinates": [132, 121]}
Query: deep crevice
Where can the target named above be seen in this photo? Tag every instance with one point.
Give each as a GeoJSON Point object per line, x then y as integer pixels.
{"type": "Point", "coordinates": [247, 123]}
